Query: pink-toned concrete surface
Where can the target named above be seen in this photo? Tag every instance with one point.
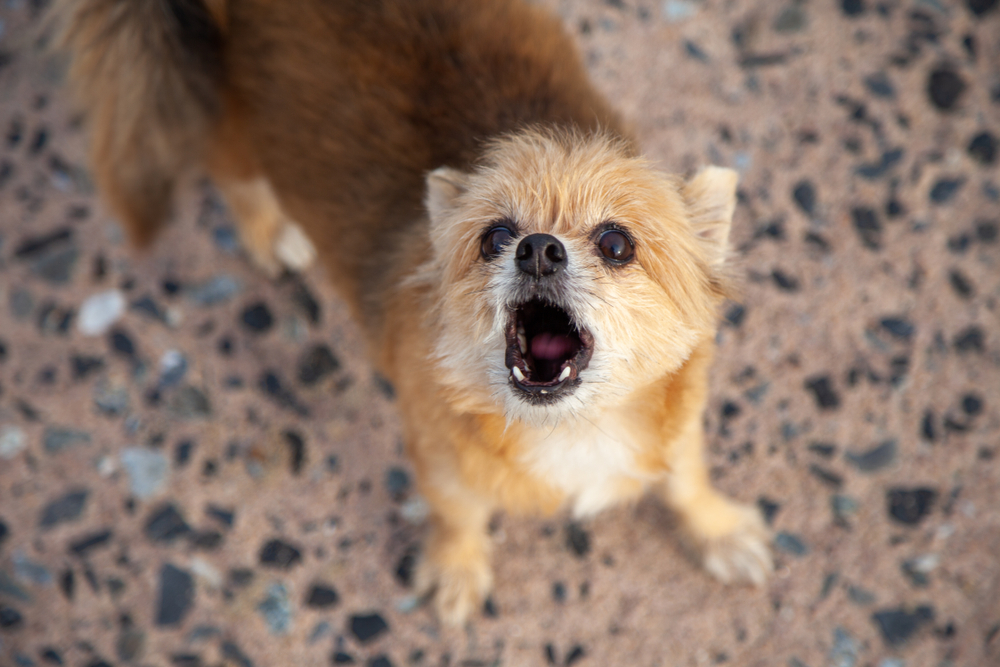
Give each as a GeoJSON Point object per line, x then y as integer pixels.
{"type": "Point", "coordinates": [867, 235]}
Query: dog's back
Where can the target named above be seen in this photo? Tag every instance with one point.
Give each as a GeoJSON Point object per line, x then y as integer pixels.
{"type": "Point", "coordinates": [342, 107]}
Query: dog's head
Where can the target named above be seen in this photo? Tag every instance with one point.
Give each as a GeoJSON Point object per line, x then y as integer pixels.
{"type": "Point", "coordinates": [571, 273]}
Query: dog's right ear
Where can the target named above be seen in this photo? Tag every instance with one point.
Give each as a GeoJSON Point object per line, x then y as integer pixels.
{"type": "Point", "coordinates": [444, 186]}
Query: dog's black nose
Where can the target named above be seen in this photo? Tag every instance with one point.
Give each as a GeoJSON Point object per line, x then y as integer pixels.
{"type": "Point", "coordinates": [541, 255]}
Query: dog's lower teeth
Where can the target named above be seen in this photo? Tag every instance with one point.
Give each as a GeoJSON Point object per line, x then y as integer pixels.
{"type": "Point", "coordinates": [517, 374]}
{"type": "Point", "coordinates": [564, 374]}
{"type": "Point", "coordinates": [523, 342]}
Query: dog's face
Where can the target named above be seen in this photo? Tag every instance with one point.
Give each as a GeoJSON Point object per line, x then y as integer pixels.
{"type": "Point", "coordinates": [572, 274]}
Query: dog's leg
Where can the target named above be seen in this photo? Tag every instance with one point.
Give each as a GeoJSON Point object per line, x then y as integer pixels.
{"type": "Point", "coordinates": [730, 538]}
{"type": "Point", "coordinates": [455, 566]}
{"type": "Point", "coordinates": [272, 240]}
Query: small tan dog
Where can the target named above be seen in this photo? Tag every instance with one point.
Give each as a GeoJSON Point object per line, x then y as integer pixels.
{"type": "Point", "coordinates": [543, 300]}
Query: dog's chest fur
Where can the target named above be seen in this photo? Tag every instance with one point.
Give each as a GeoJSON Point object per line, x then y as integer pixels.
{"type": "Point", "coordinates": [594, 462]}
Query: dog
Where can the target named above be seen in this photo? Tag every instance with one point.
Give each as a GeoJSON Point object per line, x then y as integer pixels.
{"type": "Point", "coordinates": [542, 298]}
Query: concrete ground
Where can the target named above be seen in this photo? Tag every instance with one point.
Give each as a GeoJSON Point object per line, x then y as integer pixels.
{"type": "Point", "coordinates": [218, 480]}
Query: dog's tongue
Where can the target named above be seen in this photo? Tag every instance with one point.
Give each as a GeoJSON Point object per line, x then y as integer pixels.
{"type": "Point", "coordinates": [549, 346]}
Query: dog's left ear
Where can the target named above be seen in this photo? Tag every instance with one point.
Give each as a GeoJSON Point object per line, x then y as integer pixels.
{"type": "Point", "coordinates": [444, 185]}
{"type": "Point", "coordinates": [711, 201]}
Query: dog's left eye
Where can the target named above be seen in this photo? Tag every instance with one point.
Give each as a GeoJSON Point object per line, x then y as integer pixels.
{"type": "Point", "coordinates": [494, 241]}
{"type": "Point", "coordinates": [616, 246]}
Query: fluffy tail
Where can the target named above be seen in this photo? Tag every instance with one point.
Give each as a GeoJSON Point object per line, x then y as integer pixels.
{"type": "Point", "coordinates": [148, 74]}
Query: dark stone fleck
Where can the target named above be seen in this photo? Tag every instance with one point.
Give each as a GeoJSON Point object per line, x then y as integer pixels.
{"type": "Point", "coordinates": [972, 405]}
{"type": "Point", "coordinates": [817, 241]}
{"type": "Point", "coordinates": [852, 8]}
{"type": "Point", "coordinates": [877, 458]}
{"type": "Point", "coordinates": [550, 654]}
{"type": "Point", "coordinates": [824, 449]}
{"type": "Point", "coordinates": [279, 555]}
{"type": "Point", "coordinates": [186, 660]}
{"type": "Point", "coordinates": [240, 577]}
{"type": "Point", "coordinates": [695, 52]}
{"type": "Point", "coordinates": [576, 654]}
{"type": "Point", "coordinates": [296, 450]}
{"type": "Point", "coordinates": [380, 661]}
{"type": "Point", "coordinates": [945, 87]}
{"type": "Point", "coordinates": [899, 327]}
{"type": "Point", "coordinates": [405, 566]}
{"type": "Point", "coordinates": [490, 608]}
{"type": "Point", "coordinates": [207, 539]}
{"type": "Point", "coordinates": [860, 596]}
{"type": "Point", "coordinates": [577, 539]}
{"type": "Point", "coordinates": [927, 429]}
{"type": "Point", "coordinates": [190, 402]}
{"type": "Point", "coordinates": [822, 389]}
{"type": "Point", "coordinates": [10, 618]}
{"type": "Point", "coordinates": [176, 596]}
{"type": "Point", "coordinates": [64, 509]}
{"type": "Point", "coordinates": [84, 366]}
{"type": "Point", "coordinates": [165, 524]}
{"type": "Point", "coordinates": [559, 592]}
{"type": "Point", "coordinates": [322, 596]}
{"type": "Point", "coordinates": [121, 343]}
{"type": "Point", "coordinates": [130, 644]}
{"type": "Point", "coordinates": [385, 386]}
{"type": "Point", "coordinates": [983, 148]}
{"type": "Point", "coordinates": [397, 482]}
{"type": "Point", "coordinates": [368, 627]}
{"type": "Point", "coordinates": [226, 517]}
{"type": "Point", "coordinates": [257, 317]}
{"type": "Point", "coordinates": [880, 86]}
{"type": "Point", "coordinates": [232, 653]}
{"type": "Point", "coordinates": [899, 625]}
{"type": "Point", "coordinates": [785, 282]}
{"type": "Point", "coordinates": [83, 545]}
{"type": "Point", "coordinates": [271, 384]}
{"type": "Point", "coordinates": [875, 170]}
{"type": "Point", "coordinates": [35, 246]}
{"type": "Point", "coordinates": [182, 453]}
{"type": "Point", "coordinates": [945, 189]}
{"type": "Point", "coordinates": [341, 658]}
{"type": "Point", "coordinates": [735, 314]}
{"type": "Point", "coordinates": [961, 284]}
{"type": "Point", "coordinates": [959, 244]}
{"type": "Point", "coordinates": [916, 574]}
{"type": "Point", "coordinates": [868, 227]}
{"type": "Point", "coordinates": [987, 231]}
{"type": "Point", "coordinates": [768, 508]}
{"type": "Point", "coordinates": [981, 7]}
{"type": "Point", "coordinates": [910, 505]}
{"type": "Point", "coordinates": [67, 584]}
{"type": "Point", "coordinates": [4, 532]}
{"type": "Point", "coordinates": [147, 307]}
{"type": "Point", "coordinates": [826, 476]}
{"type": "Point", "coordinates": [317, 363]}
{"type": "Point", "coordinates": [52, 657]}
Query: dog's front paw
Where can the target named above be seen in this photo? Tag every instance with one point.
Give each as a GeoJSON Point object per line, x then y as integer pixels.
{"type": "Point", "coordinates": [459, 586]}
{"type": "Point", "coordinates": [742, 555]}
{"type": "Point", "coordinates": [731, 540]}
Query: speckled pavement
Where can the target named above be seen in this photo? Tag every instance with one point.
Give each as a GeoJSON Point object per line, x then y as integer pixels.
{"type": "Point", "coordinates": [197, 467]}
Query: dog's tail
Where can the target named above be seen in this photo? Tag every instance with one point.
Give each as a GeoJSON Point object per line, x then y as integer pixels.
{"type": "Point", "coordinates": [148, 74]}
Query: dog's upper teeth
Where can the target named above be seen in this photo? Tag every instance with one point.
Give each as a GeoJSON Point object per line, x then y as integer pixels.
{"type": "Point", "coordinates": [564, 374]}
{"type": "Point", "coordinates": [522, 341]}
{"type": "Point", "coordinates": [517, 374]}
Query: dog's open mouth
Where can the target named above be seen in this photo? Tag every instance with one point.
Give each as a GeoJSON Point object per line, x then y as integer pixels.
{"type": "Point", "coordinates": [545, 350]}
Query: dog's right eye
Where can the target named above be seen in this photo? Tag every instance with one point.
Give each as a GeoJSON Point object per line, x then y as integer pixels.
{"type": "Point", "coordinates": [494, 241]}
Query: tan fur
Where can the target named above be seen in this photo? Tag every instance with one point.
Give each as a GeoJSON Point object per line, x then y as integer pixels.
{"type": "Point", "coordinates": [396, 134]}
